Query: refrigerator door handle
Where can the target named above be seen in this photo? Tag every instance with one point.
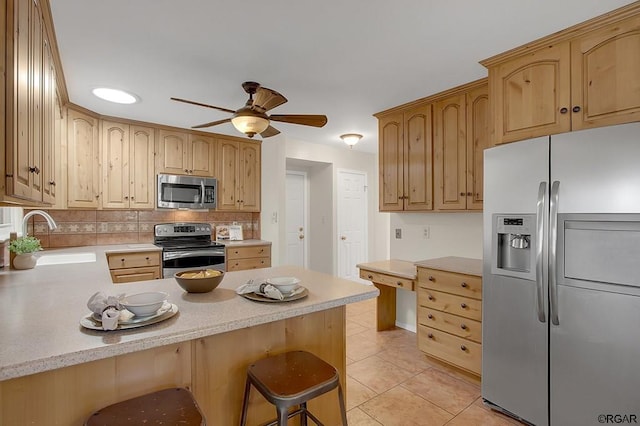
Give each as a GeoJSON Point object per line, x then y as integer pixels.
{"type": "Point", "coordinates": [553, 252]}
{"type": "Point", "coordinates": [540, 212]}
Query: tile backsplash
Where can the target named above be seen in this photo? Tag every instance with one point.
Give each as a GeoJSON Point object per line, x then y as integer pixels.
{"type": "Point", "coordinates": [104, 227]}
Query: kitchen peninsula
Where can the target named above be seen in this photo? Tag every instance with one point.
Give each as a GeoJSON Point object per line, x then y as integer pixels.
{"type": "Point", "coordinates": [53, 371]}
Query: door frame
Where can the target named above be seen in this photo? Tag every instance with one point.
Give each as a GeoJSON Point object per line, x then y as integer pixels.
{"type": "Point", "coordinates": [305, 218]}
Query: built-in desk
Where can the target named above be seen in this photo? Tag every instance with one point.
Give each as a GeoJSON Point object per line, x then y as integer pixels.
{"type": "Point", "coordinates": [387, 276]}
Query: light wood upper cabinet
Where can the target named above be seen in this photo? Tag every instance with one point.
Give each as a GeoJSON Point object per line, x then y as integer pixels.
{"type": "Point", "coordinates": [585, 76]}
{"type": "Point", "coordinates": [405, 163]}
{"type": "Point", "coordinates": [83, 154]}
{"type": "Point", "coordinates": [184, 153]}
{"type": "Point", "coordinates": [605, 68]}
{"type": "Point", "coordinates": [128, 166]}
{"type": "Point", "coordinates": [238, 174]}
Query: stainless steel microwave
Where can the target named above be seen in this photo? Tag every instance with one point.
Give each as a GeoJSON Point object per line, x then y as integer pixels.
{"type": "Point", "coordinates": [186, 192]}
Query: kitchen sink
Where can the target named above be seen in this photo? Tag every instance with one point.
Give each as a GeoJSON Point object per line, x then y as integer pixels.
{"type": "Point", "coordinates": [60, 259]}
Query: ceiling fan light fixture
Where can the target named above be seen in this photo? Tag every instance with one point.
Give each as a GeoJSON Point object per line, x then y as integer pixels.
{"type": "Point", "coordinates": [351, 138]}
{"type": "Point", "coordinates": [249, 122]}
{"type": "Point", "coordinates": [114, 95]}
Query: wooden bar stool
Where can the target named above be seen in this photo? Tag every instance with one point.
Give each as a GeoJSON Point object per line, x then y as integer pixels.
{"type": "Point", "coordinates": [174, 406]}
{"type": "Point", "coordinates": [291, 379]}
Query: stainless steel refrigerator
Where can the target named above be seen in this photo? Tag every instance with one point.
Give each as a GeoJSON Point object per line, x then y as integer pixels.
{"type": "Point", "coordinates": [561, 278]}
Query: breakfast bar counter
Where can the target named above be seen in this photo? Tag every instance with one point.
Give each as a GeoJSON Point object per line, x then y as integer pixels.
{"type": "Point", "coordinates": [54, 371]}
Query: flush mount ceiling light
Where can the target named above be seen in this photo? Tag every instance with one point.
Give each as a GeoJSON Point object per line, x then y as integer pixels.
{"type": "Point", "coordinates": [351, 138]}
{"type": "Point", "coordinates": [114, 95]}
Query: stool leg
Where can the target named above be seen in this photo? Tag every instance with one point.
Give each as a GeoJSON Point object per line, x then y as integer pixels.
{"type": "Point", "coordinates": [343, 411]}
{"type": "Point", "coordinates": [245, 402]}
{"type": "Point", "coordinates": [303, 414]}
{"type": "Point", "coordinates": [283, 414]}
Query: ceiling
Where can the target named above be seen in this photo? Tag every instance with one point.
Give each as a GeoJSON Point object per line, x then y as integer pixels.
{"type": "Point", "coordinates": [345, 59]}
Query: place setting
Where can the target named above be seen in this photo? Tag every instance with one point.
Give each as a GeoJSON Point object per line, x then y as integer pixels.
{"type": "Point", "coordinates": [273, 290]}
{"type": "Point", "coordinates": [122, 312]}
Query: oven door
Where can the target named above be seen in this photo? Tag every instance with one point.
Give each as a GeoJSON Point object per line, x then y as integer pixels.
{"type": "Point", "coordinates": [185, 259]}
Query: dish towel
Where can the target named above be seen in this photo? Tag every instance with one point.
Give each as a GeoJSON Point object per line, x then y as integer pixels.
{"type": "Point", "coordinates": [261, 288]}
{"type": "Point", "coordinates": [107, 307]}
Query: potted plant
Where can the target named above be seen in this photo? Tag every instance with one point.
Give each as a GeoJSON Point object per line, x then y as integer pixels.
{"type": "Point", "coordinates": [24, 247]}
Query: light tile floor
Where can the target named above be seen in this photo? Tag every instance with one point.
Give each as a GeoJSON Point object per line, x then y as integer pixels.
{"type": "Point", "coordinates": [390, 382]}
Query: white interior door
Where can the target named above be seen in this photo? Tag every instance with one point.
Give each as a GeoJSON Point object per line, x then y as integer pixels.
{"type": "Point", "coordinates": [352, 222]}
{"type": "Point", "coordinates": [296, 218]}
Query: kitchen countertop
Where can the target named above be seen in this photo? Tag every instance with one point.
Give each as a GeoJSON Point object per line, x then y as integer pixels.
{"type": "Point", "coordinates": [400, 268]}
{"type": "Point", "coordinates": [40, 310]}
{"type": "Point", "coordinates": [244, 243]}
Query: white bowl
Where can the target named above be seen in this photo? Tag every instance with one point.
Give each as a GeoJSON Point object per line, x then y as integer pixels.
{"type": "Point", "coordinates": [285, 284]}
{"type": "Point", "coordinates": [144, 304]}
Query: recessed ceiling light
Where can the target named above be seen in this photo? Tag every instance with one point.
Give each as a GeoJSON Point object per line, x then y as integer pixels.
{"type": "Point", "coordinates": [115, 95]}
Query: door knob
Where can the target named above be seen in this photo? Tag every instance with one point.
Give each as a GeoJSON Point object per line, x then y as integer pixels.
{"type": "Point", "coordinates": [343, 238]}
{"type": "Point", "coordinates": [301, 237]}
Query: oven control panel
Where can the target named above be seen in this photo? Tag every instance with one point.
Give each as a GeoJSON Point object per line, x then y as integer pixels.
{"type": "Point", "coordinates": [182, 229]}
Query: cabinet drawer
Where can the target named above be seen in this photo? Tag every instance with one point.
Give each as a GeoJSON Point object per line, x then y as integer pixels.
{"type": "Point", "coordinates": [133, 260]}
{"type": "Point", "coordinates": [135, 274]}
{"type": "Point", "coordinates": [451, 282]}
{"type": "Point", "coordinates": [242, 264]}
{"type": "Point", "coordinates": [453, 324]}
{"type": "Point", "coordinates": [451, 349]}
{"type": "Point", "coordinates": [386, 279]}
{"type": "Point", "coordinates": [245, 252]}
{"type": "Point", "coordinates": [457, 305]}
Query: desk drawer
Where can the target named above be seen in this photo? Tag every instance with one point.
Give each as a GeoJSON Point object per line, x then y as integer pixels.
{"type": "Point", "coordinates": [450, 282]}
{"type": "Point", "coordinates": [386, 279]}
{"type": "Point", "coordinates": [243, 264]}
{"type": "Point", "coordinates": [248, 252]}
{"type": "Point", "coordinates": [451, 349]}
{"type": "Point", "coordinates": [457, 305]}
{"type": "Point", "coordinates": [452, 324]}
{"type": "Point", "coordinates": [133, 260]}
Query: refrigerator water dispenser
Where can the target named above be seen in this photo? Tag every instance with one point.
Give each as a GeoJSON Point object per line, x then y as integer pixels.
{"type": "Point", "coordinates": [514, 245]}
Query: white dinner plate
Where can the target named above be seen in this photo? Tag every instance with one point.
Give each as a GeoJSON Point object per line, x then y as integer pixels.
{"type": "Point", "coordinates": [90, 322]}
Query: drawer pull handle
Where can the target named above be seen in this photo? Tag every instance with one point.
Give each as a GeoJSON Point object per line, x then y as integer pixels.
{"type": "Point", "coordinates": [122, 260]}
{"type": "Point", "coordinates": [431, 278]}
{"type": "Point", "coordinates": [430, 297]}
{"type": "Point", "coordinates": [400, 284]}
{"type": "Point", "coordinates": [463, 347]}
{"type": "Point", "coordinates": [464, 285]}
{"type": "Point", "coordinates": [370, 277]}
{"type": "Point", "coordinates": [147, 258]}
{"type": "Point", "coordinates": [463, 305]}
{"type": "Point", "coordinates": [430, 335]}
{"type": "Point", "coordinates": [430, 316]}
{"type": "Point", "coordinates": [463, 326]}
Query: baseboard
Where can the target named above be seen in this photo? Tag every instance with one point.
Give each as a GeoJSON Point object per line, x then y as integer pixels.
{"type": "Point", "coordinates": [409, 327]}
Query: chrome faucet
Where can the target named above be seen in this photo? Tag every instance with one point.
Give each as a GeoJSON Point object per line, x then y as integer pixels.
{"type": "Point", "coordinates": [52, 223]}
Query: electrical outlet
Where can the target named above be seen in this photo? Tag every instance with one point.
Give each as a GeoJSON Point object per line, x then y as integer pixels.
{"type": "Point", "coordinates": [398, 233]}
{"type": "Point", "coordinates": [426, 232]}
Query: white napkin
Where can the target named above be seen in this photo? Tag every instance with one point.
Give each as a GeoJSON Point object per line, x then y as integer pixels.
{"type": "Point", "coordinates": [260, 287]}
{"type": "Point", "coordinates": [108, 307]}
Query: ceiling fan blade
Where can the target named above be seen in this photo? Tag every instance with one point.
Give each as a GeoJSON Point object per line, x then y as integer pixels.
{"type": "Point", "coordinates": [211, 124]}
{"type": "Point", "coordinates": [270, 131]}
{"type": "Point", "coordinates": [266, 99]}
{"type": "Point", "coordinates": [203, 105]}
{"type": "Point", "coordinates": [305, 120]}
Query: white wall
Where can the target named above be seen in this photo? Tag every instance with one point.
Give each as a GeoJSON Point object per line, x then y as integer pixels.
{"type": "Point", "coordinates": [450, 234]}
{"type": "Point", "coordinates": [321, 161]}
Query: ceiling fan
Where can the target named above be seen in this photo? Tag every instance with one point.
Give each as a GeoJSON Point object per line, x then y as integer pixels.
{"type": "Point", "coordinates": [252, 117]}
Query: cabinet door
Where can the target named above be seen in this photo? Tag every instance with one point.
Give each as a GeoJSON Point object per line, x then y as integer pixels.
{"type": "Point", "coordinates": [115, 159]}
{"type": "Point", "coordinates": [478, 139]}
{"type": "Point", "coordinates": [605, 66]}
{"type": "Point", "coordinates": [50, 115]}
{"type": "Point", "coordinates": [450, 142]}
{"type": "Point", "coordinates": [249, 176]}
{"type": "Point", "coordinates": [391, 162]}
{"type": "Point", "coordinates": [83, 160]}
{"type": "Point", "coordinates": [227, 172]}
{"type": "Point", "coordinates": [36, 137]}
{"type": "Point", "coordinates": [531, 95]}
{"type": "Point", "coordinates": [141, 168]}
{"type": "Point", "coordinates": [173, 152]}
{"type": "Point", "coordinates": [418, 169]}
{"type": "Point", "coordinates": [200, 154]}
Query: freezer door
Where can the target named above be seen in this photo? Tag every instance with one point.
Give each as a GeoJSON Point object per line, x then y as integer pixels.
{"type": "Point", "coordinates": [514, 340]}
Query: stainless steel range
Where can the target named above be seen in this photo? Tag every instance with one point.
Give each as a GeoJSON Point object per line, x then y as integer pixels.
{"type": "Point", "coordinates": [187, 246]}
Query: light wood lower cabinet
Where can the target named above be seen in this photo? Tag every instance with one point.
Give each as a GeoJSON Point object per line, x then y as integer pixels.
{"type": "Point", "coordinates": [450, 318]}
{"type": "Point", "coordinates": [134, 266]}
{"type": "Point", "coordinates": [251, 257]}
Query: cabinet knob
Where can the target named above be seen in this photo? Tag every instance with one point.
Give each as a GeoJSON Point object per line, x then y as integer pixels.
{"type": "Point", "coordinates": [431, 278]}
{"type": "Point", "coordinates": [430, 316]}
{"type": "Point", "coordinates": [430, 335]}
{"type": "Point", "coordinates": [463, 348]}
{"type": "Point", "coordinates": [132, 198]}
{"type": "Point", "coordinates": [370, 277]}
{"type": "Point", "coordinates": [564, 110]}
{"type": "Point", "coordinates": [122, 260]}
{"type": "Point", "coordinates": [34, 169]}
{"type": "Point", "coordinates": [462, 194]}
{"type": "Point", "coordinates": [147, 258]}
{"type": "Point", "coordinates": [52, 183]}
{"type": "Point", "coordinates": [463, 326]}
{"type": "Point", "coordinates": [464, 285]}
{"type": "Point", "coordinates": [400, 284]}
{"type": "Point", "coordinates": [126, 198]}
{"type": "Point", "coordinates": [469, 194]}
{"type": "Point", "coordinates": [430, 297]}
{"type": "Point", "coordinates": [576, 109]}
{"type": "Point", "coordinates": [463, 305]}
